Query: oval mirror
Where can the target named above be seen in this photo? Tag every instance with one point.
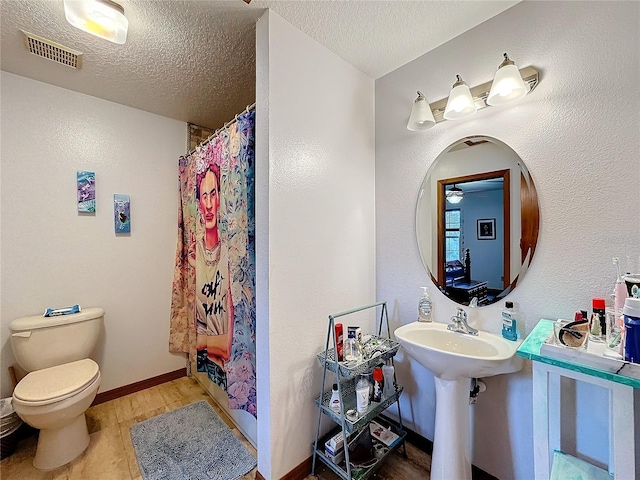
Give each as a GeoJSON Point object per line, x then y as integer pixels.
{"type": "Point", "coordinates": [477, 220]}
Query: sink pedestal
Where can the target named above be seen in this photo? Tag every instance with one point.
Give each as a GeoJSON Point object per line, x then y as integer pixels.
{"type": "Point", "coordinates": [454, 359]}
{"type": "Point", "coordinates": [451, 458]}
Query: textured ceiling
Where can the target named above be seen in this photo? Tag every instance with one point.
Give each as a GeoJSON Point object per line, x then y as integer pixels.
{"type": "Point", "coordinates": [194, 61]}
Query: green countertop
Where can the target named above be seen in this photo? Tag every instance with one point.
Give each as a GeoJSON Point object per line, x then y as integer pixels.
{"type": "Point", "coordinates": [530, 349]}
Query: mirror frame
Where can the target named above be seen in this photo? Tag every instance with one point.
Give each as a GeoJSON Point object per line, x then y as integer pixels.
{"type": "Point", "coordinates": [529, 217]}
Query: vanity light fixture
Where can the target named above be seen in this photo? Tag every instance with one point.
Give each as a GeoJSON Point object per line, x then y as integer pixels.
{"type": "Point", "coordinates": [454, 195]}
{"type": "Point", "coordinates": [460, 103]}
{"type": "Point", "coordinates": [421, 115]}
{"type": "Point", "coordinates": [102, 18]}
{"type": "Point", "coordinates": [505, 87]}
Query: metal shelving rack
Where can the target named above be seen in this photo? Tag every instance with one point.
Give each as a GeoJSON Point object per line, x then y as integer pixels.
{"type": "Point", "coordinates": [346, 376]}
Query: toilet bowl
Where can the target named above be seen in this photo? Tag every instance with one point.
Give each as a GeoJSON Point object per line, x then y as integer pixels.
{"type": "Point", "coordinates": [62, 381]}
{"type": "Point", "coordinates": [54, 401]}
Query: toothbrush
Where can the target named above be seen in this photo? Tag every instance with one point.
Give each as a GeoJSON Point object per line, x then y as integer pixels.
{"type": "Point", "coordinates": [620, 288]}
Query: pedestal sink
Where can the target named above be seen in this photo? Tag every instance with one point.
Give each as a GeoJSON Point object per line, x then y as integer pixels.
{"type": "Point", "coordinates": [455, 358]}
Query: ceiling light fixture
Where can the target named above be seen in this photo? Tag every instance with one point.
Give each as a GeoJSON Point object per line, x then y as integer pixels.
{"type": "Point", "coordinates": [460, 103]}
{"type": "Point", "coordinates": [454, 195]}
{"type": "Point", "coordinates": [506, 87]}
{"type": "Point", "coordinates": [421, 115]}
{"type": "Point", "coordinates": [102, 18]}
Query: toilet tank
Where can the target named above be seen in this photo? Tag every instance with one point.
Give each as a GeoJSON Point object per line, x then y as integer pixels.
{"type": "Point", "coordinates": [40, 342]}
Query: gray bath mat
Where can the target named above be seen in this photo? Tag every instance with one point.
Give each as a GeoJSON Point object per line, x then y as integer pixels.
{"type": "Point", "coordinates": [191, 443]}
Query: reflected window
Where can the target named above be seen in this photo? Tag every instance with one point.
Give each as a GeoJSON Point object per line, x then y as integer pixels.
{"type": "Point", "coordinates": [452, 223]}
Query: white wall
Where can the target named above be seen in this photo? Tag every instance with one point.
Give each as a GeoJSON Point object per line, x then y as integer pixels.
{"type": "Point", "coordinates": [52, 256]}
{"type": "Point", "coordinates": [578, 133]}
{"type": "Point", "coordinates": [316, 240]}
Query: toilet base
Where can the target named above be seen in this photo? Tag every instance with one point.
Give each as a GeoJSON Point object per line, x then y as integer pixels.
{"type": "Point", "coordinates": [59, 446]}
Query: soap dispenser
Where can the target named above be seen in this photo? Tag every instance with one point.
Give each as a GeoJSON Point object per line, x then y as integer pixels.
{"type": "Point", "coordinates": [424, 306]}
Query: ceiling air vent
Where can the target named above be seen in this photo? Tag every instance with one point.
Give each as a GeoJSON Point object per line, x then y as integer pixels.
{"type": "Point", "coordinates": [45, 48]}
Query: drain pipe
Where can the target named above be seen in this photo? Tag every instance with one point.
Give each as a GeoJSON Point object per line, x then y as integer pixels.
{"type": "Point", "coordinates": [476, 388]}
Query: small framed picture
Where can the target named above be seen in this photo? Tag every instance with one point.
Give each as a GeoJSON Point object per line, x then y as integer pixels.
{"type": "Point", "coordinates": [86, 186]}
{"type": "Point", "coordinates": [122, 213]}
{"type": "Point", "coordinates": [486, 228]}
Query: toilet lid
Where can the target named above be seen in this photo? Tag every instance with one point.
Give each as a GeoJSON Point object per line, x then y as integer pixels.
{"type": "Point", "coordinates": [55, 382]}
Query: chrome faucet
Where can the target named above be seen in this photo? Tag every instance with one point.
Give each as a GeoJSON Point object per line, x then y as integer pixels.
{"type": "Point", "coordinates": [459, 321]}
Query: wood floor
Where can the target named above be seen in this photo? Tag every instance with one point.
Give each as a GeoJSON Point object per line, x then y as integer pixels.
{"type": "Point", "coordinates": [110, 455]}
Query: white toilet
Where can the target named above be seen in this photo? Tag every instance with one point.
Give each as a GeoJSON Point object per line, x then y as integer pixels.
{"type": "Point", "coordinates": [62, 383]}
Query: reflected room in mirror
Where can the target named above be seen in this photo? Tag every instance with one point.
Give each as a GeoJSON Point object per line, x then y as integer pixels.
{"type": "Point", "coordinates": [477, 220]}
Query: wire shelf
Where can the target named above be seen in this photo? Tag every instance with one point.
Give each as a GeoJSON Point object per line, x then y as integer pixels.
{"type": "Point", "coordinates": [349, 403]}
{"type": "Point", "coordinates": [377, 351]}
{"type": "Point", "coordinates": [361, 473]}
{"type": "Point", "coordinates": [388, 348]}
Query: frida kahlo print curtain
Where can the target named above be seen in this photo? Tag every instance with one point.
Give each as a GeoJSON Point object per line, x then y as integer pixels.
{"type": "Point", "coordinates": [213, 300]}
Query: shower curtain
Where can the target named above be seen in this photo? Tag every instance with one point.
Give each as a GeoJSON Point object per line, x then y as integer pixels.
{"type": "Point", "coordinates": [213, 300]}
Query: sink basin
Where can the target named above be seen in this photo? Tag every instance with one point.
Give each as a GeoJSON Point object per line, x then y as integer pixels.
{"type": "Point", "coordinates": [454, 358]}
{"type": "Point", "coordinates": [451, 355]}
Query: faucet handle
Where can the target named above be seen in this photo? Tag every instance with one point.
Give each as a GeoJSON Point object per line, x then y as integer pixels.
{"type": "Point", "coordinates": [473, 302]}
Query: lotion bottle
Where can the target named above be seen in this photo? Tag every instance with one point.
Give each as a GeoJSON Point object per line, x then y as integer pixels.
{"type": "Point", "coordinates": [362, 394]}
{"type": "Point", "coordinates": [335, 403]}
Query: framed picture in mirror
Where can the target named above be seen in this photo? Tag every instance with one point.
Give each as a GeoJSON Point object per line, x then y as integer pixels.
{"type": "Point", "coordinates": [486, 228]}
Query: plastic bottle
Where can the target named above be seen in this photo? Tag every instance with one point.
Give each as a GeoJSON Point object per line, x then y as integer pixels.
{"type": "Point", "coordinates": [631, 313]}
{"type": "Point", "coordinates": [334, 403]}
{"type": "Point", "coordinates": [424, 306]}
{"type": "Point", "coordinates": [509, 323]}
{"type": "Point", "coordinates": [598, 321]}
{"type": "Point", "coordinates": [339, 341]}
{"type": "Point", "coordinates": [362, 394]}
{"type": "Point", "coordinates": [352, 351]}
{"type": "Point", "coordinates": [388, 374]}
{"type": "Point", "coordinates": [378, 384]}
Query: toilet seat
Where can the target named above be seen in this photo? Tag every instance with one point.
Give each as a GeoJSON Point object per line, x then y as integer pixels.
{"type": "Point", "coordinates": [54, 384]}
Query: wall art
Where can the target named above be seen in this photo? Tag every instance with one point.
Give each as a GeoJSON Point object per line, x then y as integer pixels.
{"type": "Point", "coordinates": [486, 228]}
{"type": "Point", "coordinates": [122, 213]}
{"type": "Point", "coordinates": [86, 185]}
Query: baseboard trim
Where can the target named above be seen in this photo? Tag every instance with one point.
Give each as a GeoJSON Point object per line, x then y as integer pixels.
{"type": "Point", "coordinates": [300, 472]}
{"type": "Point", "coordinates": [136, 387]}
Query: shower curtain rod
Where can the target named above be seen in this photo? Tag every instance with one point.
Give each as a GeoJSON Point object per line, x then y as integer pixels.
{"type": "Point", "coordinates": [235, 119]}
